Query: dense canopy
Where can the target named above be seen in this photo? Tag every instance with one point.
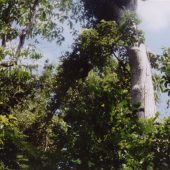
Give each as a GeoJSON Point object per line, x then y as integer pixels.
{"type": "Point", "coordinates": [76, 115]}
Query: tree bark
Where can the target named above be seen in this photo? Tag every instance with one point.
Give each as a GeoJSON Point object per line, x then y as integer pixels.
{"type": "Point", "coordinates": [27, 28]}
{"type": "Point", "coordinates": [142, 85]}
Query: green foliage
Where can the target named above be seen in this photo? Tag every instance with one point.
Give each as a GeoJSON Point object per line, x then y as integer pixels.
{"type": "Point", "coordinates": [93, 50]}
{"type": "Point", "coordinates": [78, 116]}
{"type": "Point", "coordinates": [91, 111]}
{"type": "Point", "coordinates": [129, 27]}
{"type": "Point", "coordinates": [38, 15]}
{"type": "Point", "coordinates": [103, 133]}
{"type": "Point", "coordinates": [101, 130]}
{"type": "Point", "coordinates": [165, 69]}
{"type": "Point", "coordinates": [24, 98]}
{"type": "Point", "coordinates": [9, 137]}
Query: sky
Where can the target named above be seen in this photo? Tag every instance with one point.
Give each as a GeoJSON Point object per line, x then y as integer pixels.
{"type": "Point", "coordinates": [155, 17]}
{"type": "Point", "coordinates": [155, 22]}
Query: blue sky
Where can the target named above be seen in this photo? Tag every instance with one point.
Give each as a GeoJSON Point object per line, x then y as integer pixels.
{"type": "Point", "coordinates": [155, 17]}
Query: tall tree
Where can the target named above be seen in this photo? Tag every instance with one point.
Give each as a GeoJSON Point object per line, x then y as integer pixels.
{"type": "Point", "coordinates": [92, 125]}
{"type": "Point", "coordinates": [141, 76]}
{"type": "Point", "coordinates": [100, 130]}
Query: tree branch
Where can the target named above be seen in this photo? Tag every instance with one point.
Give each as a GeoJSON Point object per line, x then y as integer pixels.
{"type": "Point", "coordinates": [3, 41]}
{"type": "Point", "coordinates": [28, 27]}
{"type": "Point", "coordinates": [7, 64]}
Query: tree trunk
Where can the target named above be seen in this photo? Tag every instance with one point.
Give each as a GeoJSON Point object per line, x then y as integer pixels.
{"type": "Point", "coordinates": [142, 85]}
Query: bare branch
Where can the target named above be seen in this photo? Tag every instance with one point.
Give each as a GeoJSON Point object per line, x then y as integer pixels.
{"type": "Point", "coordinates": [28, 27]}
{"type": "Point", "coordinates": [7, 64]}
{"type": "Point", "coordinates": [3, 41]}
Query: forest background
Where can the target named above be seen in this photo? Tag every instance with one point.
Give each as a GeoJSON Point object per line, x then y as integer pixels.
{"type": "Point", "coordinates": [78, 114]}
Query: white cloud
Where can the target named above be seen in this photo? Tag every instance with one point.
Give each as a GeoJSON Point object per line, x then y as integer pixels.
{"type": "Point", "coordinates": [155, 14]}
